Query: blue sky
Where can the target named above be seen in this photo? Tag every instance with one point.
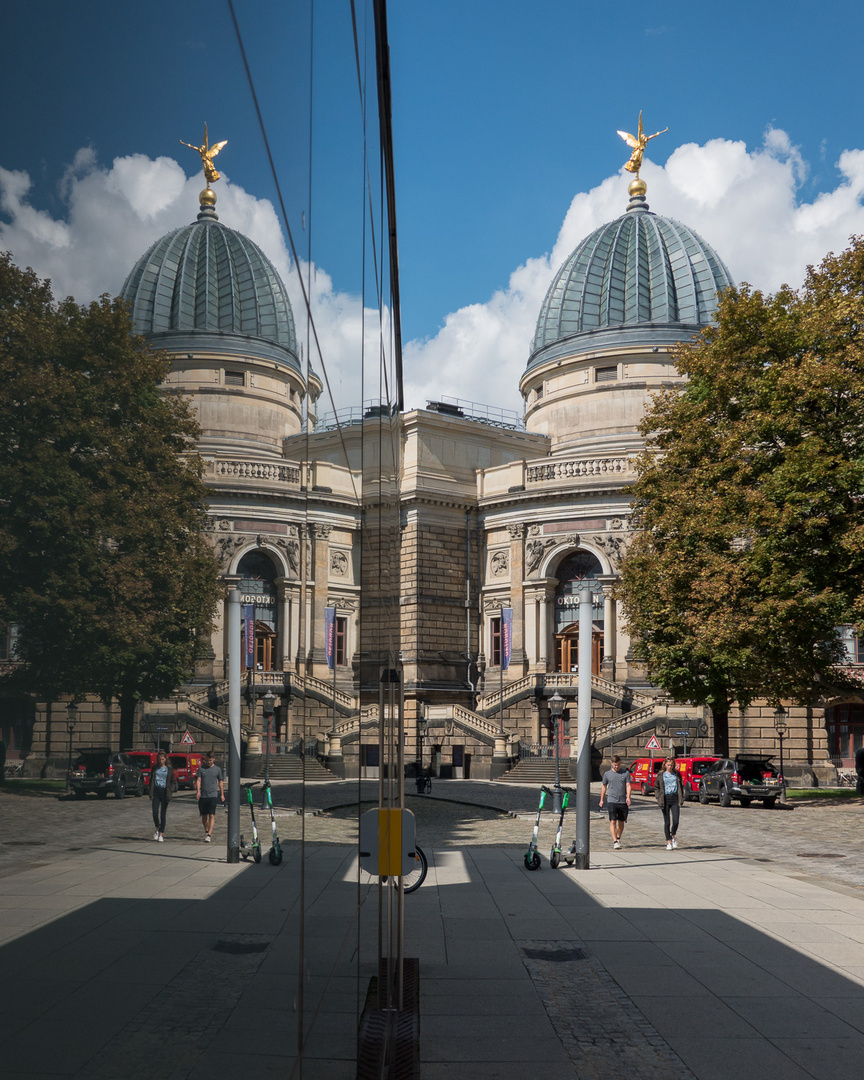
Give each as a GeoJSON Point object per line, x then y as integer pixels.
{"type": "Point", "coordinates": [505, 118]}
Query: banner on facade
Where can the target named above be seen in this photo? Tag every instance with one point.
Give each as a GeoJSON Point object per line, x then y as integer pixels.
{"type": "Point", "coordinates": [330, 635]}
{"type": "Point", "coordinates": [249, 635]}
{"type": "Point", "coordinates": [506, 636]}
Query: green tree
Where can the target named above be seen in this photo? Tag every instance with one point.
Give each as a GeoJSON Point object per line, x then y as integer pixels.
{"type": "Point", "coordinates": [750, 498]}
{"type": "Point", "coordinates": [103, 563]}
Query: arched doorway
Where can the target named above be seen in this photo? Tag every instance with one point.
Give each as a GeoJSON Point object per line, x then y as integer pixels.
{"type": "Point", "coordinates": [258, 597]}
{"type": "Point", "coordinates": [577, 571]}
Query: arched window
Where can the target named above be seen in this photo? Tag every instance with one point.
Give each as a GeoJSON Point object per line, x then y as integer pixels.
{"type": "Point", "coordinates": [258, 597]}
{"type": "Point", "coordinates": [577, 571]}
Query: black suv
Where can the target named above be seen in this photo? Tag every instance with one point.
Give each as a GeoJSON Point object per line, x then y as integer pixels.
{"type": "Point", "coordinates": [745, 778]}
{"type": "Point", "coordinates": [102, 771]}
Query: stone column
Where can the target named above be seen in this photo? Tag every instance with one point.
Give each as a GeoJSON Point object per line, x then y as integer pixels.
{"type": "Point", "coordinates": [543, 637]}
{"type": "Point", "coordinates": [610, 630]}
{"type": "Point", "coordinates": [283, 641]}
{"type": "Point", "coordinates": [518, 657]}
{"type": "Point", "coordinates": [320, 572]}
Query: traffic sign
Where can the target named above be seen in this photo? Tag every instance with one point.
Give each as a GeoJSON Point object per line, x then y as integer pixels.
{"type": "Point", "coordinates": [652, 743]}
{"type": "Point", "coordinates": [187, 740]}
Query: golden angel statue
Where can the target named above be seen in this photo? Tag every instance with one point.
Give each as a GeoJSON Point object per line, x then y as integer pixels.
{"type": "Point", "coordinates": [207, 153]}
{"type": "Point", "coordinates": [638, 142]}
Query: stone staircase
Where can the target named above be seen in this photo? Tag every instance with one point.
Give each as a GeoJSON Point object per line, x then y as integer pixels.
{"type": "Point", "coordinates": [290, 767]}
{"type": "Point", "coordinates": [538, 771]}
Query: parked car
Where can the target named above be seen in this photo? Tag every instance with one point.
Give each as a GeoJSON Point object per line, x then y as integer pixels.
{"type": "Point", "coordinates": [696, 769]}
{"type": "Point", "coordinates": [185, 767]}
{"type": "Point", "coordinates": [104, 772]}
{"type": "Point", "coordinates": [745, 778]}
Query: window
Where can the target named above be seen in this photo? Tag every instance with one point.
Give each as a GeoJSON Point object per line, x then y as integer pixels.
{"type": "Point", "coordinates": [235, 378]}
{"type": "Point", "coordinates": [8, 641]}
{"type": "Point", "coordinates": [606, 374]}
{"type": "Point", "coordinates": [341, 641]}
{"type": "Point", "coordinates": [495, 641]}
{"type": "Point", "coordinates": [851, 646]}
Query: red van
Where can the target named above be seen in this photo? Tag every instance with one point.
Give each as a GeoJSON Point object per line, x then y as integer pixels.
{"type": "Point", "coordinates": [691, 769]}
{"type": "Point", "coordinates": [642, 773]}
{"type": "Point", "coordinates": [145, 760]}
{"type": "Point", "coordinates": [185, 767]}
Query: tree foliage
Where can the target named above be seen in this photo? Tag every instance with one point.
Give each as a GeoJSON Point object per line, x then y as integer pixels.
{"type": "Point", "coordinates": [103, 562]}
{"type": "Point", "coordinates": [750, 498]}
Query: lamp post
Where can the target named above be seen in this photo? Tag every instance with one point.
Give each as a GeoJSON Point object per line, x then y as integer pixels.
{"type": "Point", "coordinates": [556, 707]}
{"type": "Point", "coordinates": [269, 705]}
{"type": "Point", "coordinates": [419, 780]}
{"type": "Point", "coordinates": [781, 728]}
{"type": "Point", "coordinates": [71, 720]}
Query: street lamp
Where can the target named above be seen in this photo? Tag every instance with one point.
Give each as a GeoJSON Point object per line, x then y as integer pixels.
{"type": "Point", "coordinates": [556, 707]}
{"type": "Point", "coordinates": [269, 705]}
{"type": "Point", "coordinates": [71, 720]}
{"type": "Point", "coordinates": [781, 728]}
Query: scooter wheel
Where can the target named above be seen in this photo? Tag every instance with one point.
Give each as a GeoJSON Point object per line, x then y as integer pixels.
{"type": "Point", "coordinates": [532, 861]}
{"type": "Point", "coordinates": [256, 854]}
{"type": "Point", "coordinates": [569, 860]}
{"type": "Point", "coordinates": [275, 857]}
{"type": "Point", "coordinates": [555, 860]}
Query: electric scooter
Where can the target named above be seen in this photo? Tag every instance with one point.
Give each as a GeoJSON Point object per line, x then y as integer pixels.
{"type": "Point", "coordinates": [532, 858]}
{"type": "Point", "coordinates": [555, 855]}
{"type": "Point", "coordinates": [276, 847]}
{"type": "Point", "coordinates": [253, 849]}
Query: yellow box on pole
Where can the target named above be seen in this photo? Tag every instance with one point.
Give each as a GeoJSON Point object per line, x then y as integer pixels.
{"type": "Point", "coordinates": [387, 842]}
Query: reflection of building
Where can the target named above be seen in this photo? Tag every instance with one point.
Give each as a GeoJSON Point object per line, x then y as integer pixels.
{"type": "Point", "coordinates": [491, 516]}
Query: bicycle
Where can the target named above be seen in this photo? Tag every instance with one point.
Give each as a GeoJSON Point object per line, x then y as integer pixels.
{"type": "Point", "coordinates": [415, 877]}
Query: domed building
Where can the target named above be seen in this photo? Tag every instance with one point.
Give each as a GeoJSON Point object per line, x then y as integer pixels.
{"type": "Point", "coordinates": [495, 525]}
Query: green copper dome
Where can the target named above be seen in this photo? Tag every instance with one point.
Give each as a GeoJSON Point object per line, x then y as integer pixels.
{"type": "Point", "coordinates": [635, 281]}
{"type": "Point", "coordinates": [207, 287]}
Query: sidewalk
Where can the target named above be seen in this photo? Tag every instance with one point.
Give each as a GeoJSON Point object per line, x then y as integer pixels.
{"type": "Point", "coordinates": [162, 961]}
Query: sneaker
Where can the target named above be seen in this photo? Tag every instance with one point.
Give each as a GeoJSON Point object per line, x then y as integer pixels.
{"type": "Point", "coordinates": [156, 835]}
{"type": "Point", "coordinates": [161, 838]}
{"type": "Point", "coordinates": [674, 842]}
{"type": "Point", "coordinates": [669, 846]}
{"type": "Point", "coordinates": [617, 844]}
{"type": "Point", "coordinates": [206, 837]}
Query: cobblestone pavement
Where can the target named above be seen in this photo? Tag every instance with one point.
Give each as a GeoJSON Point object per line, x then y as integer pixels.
{"type": "Point", "coordinates": [823, 837]}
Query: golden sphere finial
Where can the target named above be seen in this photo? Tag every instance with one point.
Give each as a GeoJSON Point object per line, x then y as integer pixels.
{"type": "Point", "coordinates": [637, 187]}
{"type": "Point", "coordinates": [208, 196]}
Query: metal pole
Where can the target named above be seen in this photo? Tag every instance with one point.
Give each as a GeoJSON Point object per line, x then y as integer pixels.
{"type": "Point", "coordinates": [234, 706]}
{"type": "Point", "coordinates": [501, 691]}
{"type": "Point", "coordinates": [583, 760]}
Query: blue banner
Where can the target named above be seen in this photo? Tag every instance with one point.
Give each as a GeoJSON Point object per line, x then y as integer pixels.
{"type": "Point", "coordinates": [249, 635]}
{"type": "Point", "coordinates": [506, 636]}
{"type": "Point", "coordinates": [330, 635]}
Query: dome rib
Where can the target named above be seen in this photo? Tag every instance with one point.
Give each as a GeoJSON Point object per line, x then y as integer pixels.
{"type": "Point", "coordinates": [640, 272]}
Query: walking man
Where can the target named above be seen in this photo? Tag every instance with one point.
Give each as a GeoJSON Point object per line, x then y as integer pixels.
{"type": "Point", "coordinates": [209, 786]}
{"type": "Point", "coordinates": [616, 783]}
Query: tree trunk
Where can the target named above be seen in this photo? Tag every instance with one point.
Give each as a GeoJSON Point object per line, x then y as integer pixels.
{"type": "Point", "coordinates": [128, 703]}
{"type": "Point", "coordinates": [721, 731]}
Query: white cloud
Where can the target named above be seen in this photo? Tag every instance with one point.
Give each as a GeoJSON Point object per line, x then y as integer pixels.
{"type": "Point", "coordinates": [746, 203]}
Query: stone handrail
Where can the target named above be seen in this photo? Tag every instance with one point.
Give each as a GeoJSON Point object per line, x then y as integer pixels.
{"type": "Point", "coordinates": [490, 702]}
{"type": "Point", "coordinates": [469, 721]}
{"type": "Point", "coordinates": [250, 469]}
{"type": "Point", "coordinates": [325, 689]}
{"type": "Point", "coordinates": [573, 469]}
{"type": "Point", "coordinates": [623, 725]}
{"type": "Point", "coordinates": [571, 678]}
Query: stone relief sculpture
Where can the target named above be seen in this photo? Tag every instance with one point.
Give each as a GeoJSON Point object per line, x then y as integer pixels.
{"type": "Point", "coordinates": [291, 550]}
{"type": "Point", "coordinates": [534, 551]}
{"type": "Point", "coordinates": [228, 546]}
{"type": "Point", "coordinates": [499, 564]}
{"type": "Point", "coordinates": [338, 563]}
{"type": "Point", "coordinates": [612, 546]}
